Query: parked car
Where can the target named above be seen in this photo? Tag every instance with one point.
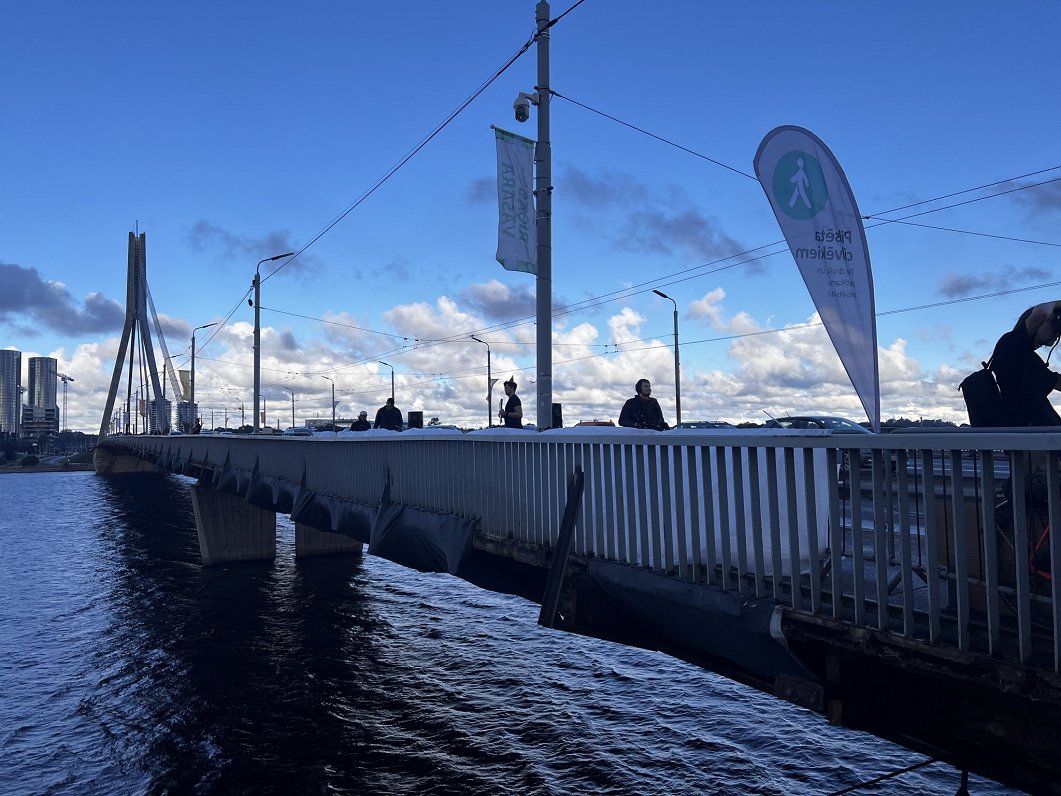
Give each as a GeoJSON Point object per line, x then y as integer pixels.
{"type": "Point", "coordinates": [705, 424]}
{"type": "Point", "coordinates": [295, 431]}
{"type": "Point", "coordinates": [595, 423]}
{"type": "Point", "coordinates": [838, 425]}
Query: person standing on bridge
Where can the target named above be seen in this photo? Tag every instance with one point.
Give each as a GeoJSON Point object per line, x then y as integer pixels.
{"type": "Point", "coordinates": [643, 411]}
{"type": "Point", "coordinates": [1024, 380]}
{"type": "Point", "coordinates": [389, 416]}
{"type": "Point", "coordinates": [361, 424]}
{"type": "Point", "coordinates": [512, 413]}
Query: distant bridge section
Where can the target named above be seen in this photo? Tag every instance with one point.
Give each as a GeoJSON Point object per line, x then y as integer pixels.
{"type": "Point", "coordinates": [905, 588]}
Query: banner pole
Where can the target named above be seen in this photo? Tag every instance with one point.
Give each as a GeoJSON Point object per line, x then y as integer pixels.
{"type": "Point", "coordinates": [544, 205]}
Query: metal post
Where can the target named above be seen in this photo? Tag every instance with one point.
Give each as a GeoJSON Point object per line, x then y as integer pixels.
{"type": "Point", "coordinates": [191, 386]}
{"type": "Point", "coordinates": [292, 405]}
{"type": "Point", "coordinates": [257, 283]}
{"type": "Point", "coordinates": [333, 399]}
{"type": "Point", "coordinates": [544, 203]}
{"type": "Point", "coordinates": [489, 383]}
{"type": "Point", "coordinates": [392, 376]}
{"type": "Point", "coordinates": [677, 366]}
{"type": "Point", "coordinates": [257, 347]}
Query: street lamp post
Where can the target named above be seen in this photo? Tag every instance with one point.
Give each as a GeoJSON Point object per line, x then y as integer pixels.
{"type": "Point", "coordinates": [290, 390]}
{"type": "Point", "coordinates": [392, 376]}
{"type": "Point", "coordinates": [257, 284]}
{"type": "Point", "coordinates": [333, 399]}
{"type": "Point", "coordinates": [489, 383]}
{"type": "Point", "coordinates": [677, 369]}
{"type": "Point", "coordinates": [191, 390]}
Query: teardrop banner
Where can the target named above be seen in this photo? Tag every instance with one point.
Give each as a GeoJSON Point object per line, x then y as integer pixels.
{"type": "Point", "coordinates": [816, 209]}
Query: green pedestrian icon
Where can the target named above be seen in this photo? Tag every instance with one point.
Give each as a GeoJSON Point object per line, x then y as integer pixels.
{"type": "Point", "coordinates": [799, 185]}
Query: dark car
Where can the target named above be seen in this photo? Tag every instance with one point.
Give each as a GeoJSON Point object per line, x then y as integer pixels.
{"type": "Point", "coordinates": [706, 424]}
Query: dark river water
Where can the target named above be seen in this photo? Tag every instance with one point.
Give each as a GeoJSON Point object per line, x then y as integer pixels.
{"type": "Point", "coordinates": [126, 667]}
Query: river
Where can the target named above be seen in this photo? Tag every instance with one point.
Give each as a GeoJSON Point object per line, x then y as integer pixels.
{"type": "Point", "coordinates": [126, 667]}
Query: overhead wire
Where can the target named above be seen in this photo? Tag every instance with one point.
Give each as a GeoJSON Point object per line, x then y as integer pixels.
{"type": "Point", "coordinates": [641, 287]}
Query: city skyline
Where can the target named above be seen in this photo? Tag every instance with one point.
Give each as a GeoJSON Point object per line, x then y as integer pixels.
{"type": "Point", "coordinates": [248, 150]}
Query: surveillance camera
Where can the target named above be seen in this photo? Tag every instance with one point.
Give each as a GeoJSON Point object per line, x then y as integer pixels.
{"type": "Point", "coordinates": [522, 107]}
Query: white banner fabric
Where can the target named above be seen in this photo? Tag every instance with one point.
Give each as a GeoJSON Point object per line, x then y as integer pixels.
{"type": "Point", "coordinates": [517, 240]}
{"type": "Point", "coordinates": [816, 210]}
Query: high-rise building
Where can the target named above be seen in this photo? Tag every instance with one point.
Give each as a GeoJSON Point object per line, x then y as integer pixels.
{"type": "Point", "coordinates": [10, 384]}
{"type": "Point", "coordinates": [152, 417]}
{"type": "Point", "coordinates": [43, 378]}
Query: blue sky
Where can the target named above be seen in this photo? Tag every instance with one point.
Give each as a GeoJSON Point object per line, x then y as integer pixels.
{"type": "Point", "coordinates": [231, 132]}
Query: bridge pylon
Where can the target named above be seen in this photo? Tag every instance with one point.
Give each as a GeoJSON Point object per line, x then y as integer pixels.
{"type": "Point", "coordinates": [136, 304]}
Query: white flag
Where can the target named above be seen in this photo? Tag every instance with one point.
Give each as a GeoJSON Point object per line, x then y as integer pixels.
{"type": "Point", "coordinates": [517, 242]}
{"type": "Point", "coordinates": [816, 209]}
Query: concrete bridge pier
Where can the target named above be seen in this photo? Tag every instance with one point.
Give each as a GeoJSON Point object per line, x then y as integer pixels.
{"type": "Point", "coordinates": [230, 529]}
{"type": "Point", "coordinates": [311, 542]}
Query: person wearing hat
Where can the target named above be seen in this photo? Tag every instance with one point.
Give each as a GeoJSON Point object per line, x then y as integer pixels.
{"type": "Point", "coordinates": [361, 424]}
{"type": "Point", "coordinates": [511, 414]}
{"type": "Point", "coordinates": [643, 411]}
{"type": "Point", "coordinates": [1024, 380]}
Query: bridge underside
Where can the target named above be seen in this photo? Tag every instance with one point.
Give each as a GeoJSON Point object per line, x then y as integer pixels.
{"type": "Point", "coordinates": [972, 711]}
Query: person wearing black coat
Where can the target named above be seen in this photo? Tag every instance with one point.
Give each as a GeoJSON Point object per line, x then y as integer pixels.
{"type": "Point", "coordinates": [361, 424]}
{"type": "Point", "coordinates": [389, 416]}
{"type": "Point", "coordinates": [643, 411]}
{"type": "Point", "coordinates": [1024, 380]}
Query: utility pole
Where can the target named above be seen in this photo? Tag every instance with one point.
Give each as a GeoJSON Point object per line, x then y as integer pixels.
{"type": "Point", "coordinates": [489, 383]}
{"type": "Point", "coordinates": [543, 188]}
{"type": "Point", "coordinates": [333, 399]}
{"type": "Point", "coordinates": [257, 285]}
{"type": "Point", "coordinates": [677, 367]}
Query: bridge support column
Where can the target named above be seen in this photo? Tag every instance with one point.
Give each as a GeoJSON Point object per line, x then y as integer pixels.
{"type": "Point", "coordinates": [311, 542]}
{"type": "Point", "coordinates": [230, 529]}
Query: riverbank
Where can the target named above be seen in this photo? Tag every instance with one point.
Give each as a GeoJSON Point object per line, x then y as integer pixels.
{"type": "Point", "coordinates": [49, 468]}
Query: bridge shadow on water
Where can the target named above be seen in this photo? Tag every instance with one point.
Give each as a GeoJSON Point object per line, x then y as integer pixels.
{"type": "Point", "coordinates": [239, 678]}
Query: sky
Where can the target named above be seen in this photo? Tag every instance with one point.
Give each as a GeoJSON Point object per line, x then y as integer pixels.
{"type": "Point", "coordinates": [231, 132]}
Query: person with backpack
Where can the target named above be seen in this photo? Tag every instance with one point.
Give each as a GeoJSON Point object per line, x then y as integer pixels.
{"type": "Point", "coordinates": [1025, 381]}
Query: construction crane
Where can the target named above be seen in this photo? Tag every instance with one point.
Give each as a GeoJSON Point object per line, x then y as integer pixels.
{"type": "Point", "coordinates": [66, 379]}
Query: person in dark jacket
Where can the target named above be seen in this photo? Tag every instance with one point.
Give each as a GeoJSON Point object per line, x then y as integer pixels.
{"type": "Point", "coordinates": [643, 411]}
{"type": "Point", "coordinates": [511, 415]}
{"type": "Point", "coordinates": [389, 416]}
{"type": "Point", "coordinates": [1024, 380]}
{"type": "Point", "coordinates": [361, 424]}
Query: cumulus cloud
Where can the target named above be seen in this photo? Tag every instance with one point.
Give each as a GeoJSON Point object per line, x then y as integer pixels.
{"type": "Point", "coordinates": [500, 302]}
{"type": "Point", "coordinates": [443, 373]}
{"type": "Point", "coordinates": [27, 294]}
{"type": "Point", "coordinates": [957, 285]}
{"type": "Point", "coordinates": [709, 308]}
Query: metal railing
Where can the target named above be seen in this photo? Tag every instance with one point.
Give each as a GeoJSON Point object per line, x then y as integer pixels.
{"type": "Point", "coordinates": [936, 537]}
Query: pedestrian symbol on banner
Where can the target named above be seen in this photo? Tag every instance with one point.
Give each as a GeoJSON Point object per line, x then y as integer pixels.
{"type": "Point", "coordinates": [799, 185]}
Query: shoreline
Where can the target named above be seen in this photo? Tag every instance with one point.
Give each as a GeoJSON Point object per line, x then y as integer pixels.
{"type": "Point", "coordinates": [78, 467]}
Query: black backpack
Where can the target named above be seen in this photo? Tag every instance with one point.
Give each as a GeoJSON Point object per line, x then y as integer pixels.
{"type": "Point", "coordinates": [982, 398]}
